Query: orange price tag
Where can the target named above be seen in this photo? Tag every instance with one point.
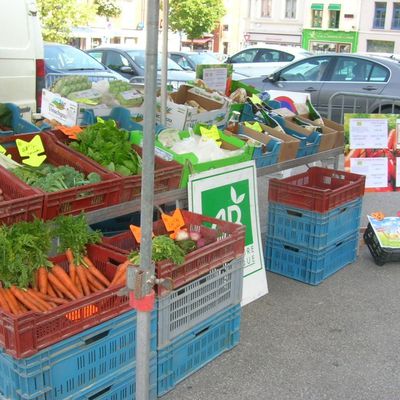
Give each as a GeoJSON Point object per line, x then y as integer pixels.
{"type": "Point", "coordinates": [137, 232]}
{"type": "Point", "coordinates": [173, 223]}
{"type": "Point", "coordinates": [70, 131]}
{"type": "Point", "coordinates": [378, 215]}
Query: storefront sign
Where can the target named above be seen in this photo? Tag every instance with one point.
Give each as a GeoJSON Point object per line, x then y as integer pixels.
{"type": "Point", "coordinates": [230, 194]}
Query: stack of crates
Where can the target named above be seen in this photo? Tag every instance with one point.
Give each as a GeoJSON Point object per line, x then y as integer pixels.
{"type": "Point", "coordinates": [313, 223]}
{"type": "Point", "coordinates": [200, 318]}
{"type": "Point", "coordinates": [85, 349]}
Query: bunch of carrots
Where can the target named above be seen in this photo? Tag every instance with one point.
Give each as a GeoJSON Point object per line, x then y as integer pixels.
{"type": "Point", "coordinates": [41, 286]}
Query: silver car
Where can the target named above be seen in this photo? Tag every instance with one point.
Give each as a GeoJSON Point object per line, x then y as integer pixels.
{"type": "Point", "coordinates": [323, 75]}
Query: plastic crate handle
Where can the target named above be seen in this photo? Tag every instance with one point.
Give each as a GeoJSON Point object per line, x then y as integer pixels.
{"type": "Point", "coordinates": [100, 393]}
{"type": "Point", "coordinates": [96, 337]}
{"type": "Point", "coordinates": [204, 330]}
{"type": "Point", "coordinates": [291, 248]}
{"type": "Point", "coordinates": [294, 213]}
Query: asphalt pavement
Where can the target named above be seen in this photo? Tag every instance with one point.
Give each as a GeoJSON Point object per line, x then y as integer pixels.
{"type": "Point", "coordinates": [339, 340]}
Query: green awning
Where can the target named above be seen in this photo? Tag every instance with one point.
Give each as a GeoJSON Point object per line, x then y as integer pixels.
{"type": "Point", "coordinates": [334, 7]}
{"type": "Point", "coordinates": [317, 6]}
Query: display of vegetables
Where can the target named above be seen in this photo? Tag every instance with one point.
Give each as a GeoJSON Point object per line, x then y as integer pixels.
{"type": "Point", "coordinates": [51, 178]}
{"type": "Point", "coordinates": [109, 146]}
{"type": "Point", "coordinates": [30, 282]}
{"type": "Point", "coordinates": [70, 84]}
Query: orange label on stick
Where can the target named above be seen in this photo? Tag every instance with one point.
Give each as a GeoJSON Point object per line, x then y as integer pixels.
{"type": "Point", "coordinates": [137, 232]}
{"type": "Point", "coordinates": [173, 222]}
{"type": "Point", "coordinates": [70, 131]}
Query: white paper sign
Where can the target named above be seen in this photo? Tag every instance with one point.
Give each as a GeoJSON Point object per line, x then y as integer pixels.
{"type": "Point", "coordinates": [215, 78]}
{"type": "Point", "coordinates": [230, 193]}
{"type": "Point", "coordinates": [397, 171]}
{"type": "Point", "coordinates": [365, 133]}
{"type": "Point", "coordinates": [375, 170]}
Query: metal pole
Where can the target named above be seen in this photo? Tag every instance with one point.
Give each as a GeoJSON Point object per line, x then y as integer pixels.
{"type": "Point", "coordinates": [147, 195]}
{"type": "Point", "coordinates": [164, 67]}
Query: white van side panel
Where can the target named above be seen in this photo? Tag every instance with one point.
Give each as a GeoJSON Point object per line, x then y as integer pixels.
{"type": "Point", "coordinates": [20, 46]}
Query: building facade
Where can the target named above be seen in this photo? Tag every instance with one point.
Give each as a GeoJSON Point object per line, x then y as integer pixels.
{"type": "Point", "coordinates": [331, 27]}
{"type": "Point", "coordinates": [128, 28]}
{"type": "Point", "coordinates": [274, 22]}
{"type": "Point", "coordinates": [380, 26]}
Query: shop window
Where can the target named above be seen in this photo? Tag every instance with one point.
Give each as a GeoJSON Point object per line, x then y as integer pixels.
{"type": "Point", "coordinates": [380, 46]}
{"type": "Point", "coordinates": [396, 16]}
{"type": "Point", "coordinates": [290, 10]}
{"type": "Point", "coordinates": [379, 15]}
{"type": "Point", "coordinates": [266, 8]}
{"type": "Point", "coordinates": [334, 17]}
{"type": "Point", "coordinates": [316, 18]}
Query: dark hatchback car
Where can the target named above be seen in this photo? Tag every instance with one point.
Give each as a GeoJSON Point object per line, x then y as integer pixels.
{"type": "Point", "coordinates": [324, 75]}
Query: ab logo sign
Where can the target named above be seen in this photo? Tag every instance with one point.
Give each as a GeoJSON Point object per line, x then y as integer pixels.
{"type": "Point", "coordinates": [230, 194]}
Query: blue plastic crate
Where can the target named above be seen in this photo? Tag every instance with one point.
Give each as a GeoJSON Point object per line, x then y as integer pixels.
{"type": "Point", "coordinates": [308, 144]}
{"type": "Point", "coordinates": [311, 229]}
{"type": "Point", "coordinates": [267, 154]}
{"type": "Point", "coordinates": [122, 116]}
{"type": "Point", "coordinates": [18, 124]}
{"type": "Point", "coordinates": [197, 347]}
{"type": "Point", "coordinates": [71, 366]}
{"type": "Point", "coordinates": [307, 265]}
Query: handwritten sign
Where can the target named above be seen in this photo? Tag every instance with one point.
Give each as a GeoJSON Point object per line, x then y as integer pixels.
{"type": "Point", "coordinates": [70, 131]}
{"type": "Point", "coordinates": [255, 99]}
{"type": "Point", "coordinates": [255, 127]}
{"type": "Point", "coordinates": [211, 134]}
{"type": "Point", "coordinates": [173, 222]}
{"type": "Point", "coordinates": [4, 151]}
{"type": "Point", "coordinates": [32, 151]}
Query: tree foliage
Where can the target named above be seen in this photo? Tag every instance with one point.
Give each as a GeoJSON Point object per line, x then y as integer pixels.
{"type": "Point", "coordinates": [59, 16]}
{"type": "Point", "coordinates": [195, 17]}
{"type": "Point", "coordinates": [107, 8]}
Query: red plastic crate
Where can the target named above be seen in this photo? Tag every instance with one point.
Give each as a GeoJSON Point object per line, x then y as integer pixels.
{"type": "Point", "coordinates": [21, 202]}
{"type": "Point", "coordinates": [75, 200]}
{"type": "Point", "coordinates": [318, 189]}
{"type": "Point", "coordinates": [24, 335]}
{"type": "Point", "coordinates": [228, 241]}
{"type": "Point", "coordinates": [167, 174]}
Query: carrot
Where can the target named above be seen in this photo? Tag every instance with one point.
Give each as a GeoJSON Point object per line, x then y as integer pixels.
{"type": "Point", "coordinates": [51, 299]}
{"type": "Point", "coordinates": [93, 289]}
{"type": "Point", "coordinates": [42, 280]}
{"type": "Point", "coordinates": [12, 302]}
{"type": "Point", "coordinates": [3, 302]}
{"type": "Point", "coordinates": [121, 280]}
{"type": "Point", "coordinates": [38, 299]}
{"type": "Point", "coordinates": [50, 291]}
{"type": "Point", "coordinates": [25, 300]}
{"type": "Point", "coordinates": [95, 272]}
{"type": "Point", "coordinates": [91, 279]}
{"type": "Point", "coordinates": [22, 307]}
{"type": "Point", "coordinates": [58, 293]}
{"type": "Point", "coordinates": [72, 267]}
{"type": "Point", "coordinates": [66, 280]}
{"type": "Point", "coordinates": [122, 268]}
{"type": "Point", "coordinates": [83, 279]}
{"type": "Point", "coordinates": [78, 284]}
{"type": "Point", "coordinates": [59, 286]}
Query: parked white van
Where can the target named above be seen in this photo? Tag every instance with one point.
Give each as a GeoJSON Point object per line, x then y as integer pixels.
{"type": "Point", "coordinates": [21, 55]}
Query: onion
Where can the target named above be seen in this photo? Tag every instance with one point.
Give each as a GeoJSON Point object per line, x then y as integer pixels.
{"type": "Point", "coordinates": [181, 235]}
{"type": "Point", "coordinates": [195, 236]}
{"type": "Point", "coordinates": [201, 243]}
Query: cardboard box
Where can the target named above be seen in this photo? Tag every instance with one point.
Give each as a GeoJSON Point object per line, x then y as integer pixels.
{"type": "Point", "coordinates": [70, 113]}
{"type": "Point", "coordinates": [289, 144]}
{"type": "Point", "coordinates": [181, 116]}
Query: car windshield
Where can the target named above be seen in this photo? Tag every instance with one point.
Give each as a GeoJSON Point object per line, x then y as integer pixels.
{"type": "Point", "coordinates": [139, 57]}
{"type": "Point", "coordinates": [203, 58]}
{"type": "Point", "coordinates": [68, 58]}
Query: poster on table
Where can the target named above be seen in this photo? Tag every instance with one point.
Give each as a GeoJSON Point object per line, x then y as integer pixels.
{"type": "Point", "coordinates": [387, 230]}
{"type": "Point", "coordinates": [372, 148]}
{"type": "Point", "coordinates": [230, 194]}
